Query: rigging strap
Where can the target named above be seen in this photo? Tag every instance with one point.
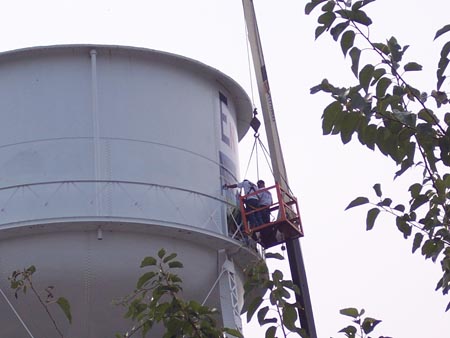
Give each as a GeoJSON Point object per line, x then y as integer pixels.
{"type": "Point", "coordinates": [265, 152]}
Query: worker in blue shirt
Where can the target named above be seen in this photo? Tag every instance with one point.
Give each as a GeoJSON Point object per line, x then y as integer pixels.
{"type": "Point", "coordinates": [251, 202]}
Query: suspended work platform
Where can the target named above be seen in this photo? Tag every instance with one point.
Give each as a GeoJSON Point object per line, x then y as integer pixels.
{"type": "Point", "coordinates": [284, 220]}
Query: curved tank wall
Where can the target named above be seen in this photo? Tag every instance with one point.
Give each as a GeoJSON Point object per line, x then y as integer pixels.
{"type": "Point", "coordinates": [150, 128]}
{"type": "Point", "coordinates": [126, 144]}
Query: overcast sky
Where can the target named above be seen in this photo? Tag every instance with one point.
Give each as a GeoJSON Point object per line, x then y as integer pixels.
{"type": "Point", "coordinates": [346, 266]}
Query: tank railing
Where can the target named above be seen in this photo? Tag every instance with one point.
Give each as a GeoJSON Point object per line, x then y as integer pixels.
{"type": "Point", "coordinates": [212, 219]}
{"type": "Point", "coordinates": [239, 230]}
{"type": "Point", "coordinates": [111, 181]}
{"type": "Point", "coordinates": [287, 222]}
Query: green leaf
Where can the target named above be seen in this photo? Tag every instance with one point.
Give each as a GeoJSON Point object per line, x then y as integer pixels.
{"type": "Point", "coordinates": [315, 89]}
{"type": "Point", "coordinates": [400, 207]}
{"type": "Point", "coordinates": [407, 118]}
{"type": "Point", "coordinates": [311, 5]}
{"type": "Point", "coordinates": [419, 201]}
{"type": "Point", "coordinates": [370, 136]}
{"type": "Point", "coordinates": [145, 278]}
{"type": "Point", "coordinates": [355, 15]}
{"type": "Point", "coordinates": [445, 50]}
{"type": "Point", "coordinates": [382, 86]}
{"type": "Point", "coordinates": [327, 19]}
{"type": "Point", "coordinates": [357, 201]}
{"type": "Point", "coordinates": [357, 102]}
{"type": "Point", "coordinates": [377, 188]}
{"type": "Point", "coordinates": [413, 93]}
{"type": "Point", "coordinates": [447, 180]}
{"type": "Point", "coordinates": [161, 253]}
{"type": "Point", "coordinates": [338, 29]}
{"type": "Point", "coordinates": [418, 237]}
{"type": "Point", "coordinates": [359, 4]}
{"type": "Point", "coordinates": [271, 331]}
{"type": "Point", "coordinates": [350, 331]}
{"type": "Point", "coordinates": [329, 6]}
{"type": "Point", "coordinates": [253, 306]}
{"type": "Point", "coordinates": [395, 49]}
{"type": "Point", "coordinates": [371, 217]}
{"type": "Point", "coordinates": [440, 97]}
{"type": "Point", "coordinates": [289, 317]}
{"type": "Point", "coordinates": [440, 81]}
{"type": "Point", "coordinates": [170, 257]}
{"type": "Point", "coordinates": [175, 264]}
{"type": "Point", "coordinates": [347, 41]}
{"type": "Point", "coordinates": [361, 17]}
{"type": "Point", "coordinates": [429, 248]}
{"type": "Point", "coordinates": [415, 189]}
{"type": "Point", "coordinates": [403, 226]}
{"type": "Point", "coordinates": [348, 126]}
{"type": "Point", "coordinates": [382, 140]}
{"type": "Point", "coordinates": [442, 65]}
{"type": "Point", "coordinates": [399, 91]}
{"type": "Point", "coordinates": [369, 324]}
{"type": "Point", "coordinates": [146, 327]}
{"type": "Point", "coordinates": [65, 307]}
{"type": "Point", "coordinates": [274, 255]}
{"type": "Point", "coordinates": [382, 47]}
{"type": "Point", "coordinates": [412, 67]}
{"type": "Point", "coordinates": [319, 30]}
{"type": "Point", "coordinates": [377, 74]}
{"type": "Point", "coordinates": [277, 275]}
{"type": "Point", "coordinates": [365, 76]}
{"type": "Point", "coordinates": [148, 261]}
{"type": "Point", "coordinates": [441, 31]}
{"type": "Point", "coordinates": [427, 115]}
{"type": "Point", "coordinates": [355, 54]}
{"type": "Point", "coordinates": [262, 315]}
{"type": "Point", "coordinates": [329, 116]}
{"type": "Point", "coordinates": [350, 312]}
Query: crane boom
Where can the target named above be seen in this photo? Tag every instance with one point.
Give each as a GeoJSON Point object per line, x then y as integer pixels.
{"type": "Point", "coordinates": [279, 169]}
{"type": "Point", "coordinates": [273, 139]}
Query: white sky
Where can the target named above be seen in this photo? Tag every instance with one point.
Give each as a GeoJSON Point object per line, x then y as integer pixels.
{"type": "Point", "coordinates": [346, 266]}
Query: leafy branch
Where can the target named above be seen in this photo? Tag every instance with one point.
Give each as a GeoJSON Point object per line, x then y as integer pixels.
{"type": "Point", "coordinates": [388, 114]}
{"type": "Point", "coordinates": [262, 287]}
{"type": "Point", "coordinates": [22, 281]}
{"type": "Point", "coordinates": [157, 299]}
{"type": "Point", "coordinates": [364, 325]}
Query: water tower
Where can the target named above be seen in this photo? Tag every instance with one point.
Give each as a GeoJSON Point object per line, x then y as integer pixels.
{"type": "Point", "coordinates": [107, 154]}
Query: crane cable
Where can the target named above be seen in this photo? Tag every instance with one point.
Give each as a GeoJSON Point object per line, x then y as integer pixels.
{"type": "Point", "coordinates": [266, 154]}
{"type": "Point", "coordinates": [255, 146]}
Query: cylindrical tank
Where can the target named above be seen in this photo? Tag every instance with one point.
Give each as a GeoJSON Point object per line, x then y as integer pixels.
{"type": "Point", "coordinates": [108, 154]}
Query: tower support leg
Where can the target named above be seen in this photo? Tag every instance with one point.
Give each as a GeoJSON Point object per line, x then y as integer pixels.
{"type": "Point", "coordinates": [229, 301]}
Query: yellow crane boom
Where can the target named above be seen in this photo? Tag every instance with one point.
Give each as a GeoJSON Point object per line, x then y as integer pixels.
{"type": "Point", "coordinates": [279, 169]}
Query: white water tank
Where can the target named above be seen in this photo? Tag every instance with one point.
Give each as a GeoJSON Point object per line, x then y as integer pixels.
{"type": "Point", "coordinates": [108, 154]}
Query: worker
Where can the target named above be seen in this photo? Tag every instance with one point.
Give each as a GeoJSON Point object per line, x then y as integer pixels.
{"type": "Point", "coordinates": [264, 201]}
{"type": "Point", "coordinates": [268, 233]}
{"type": "Point", "coordinates": [251, 202]}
